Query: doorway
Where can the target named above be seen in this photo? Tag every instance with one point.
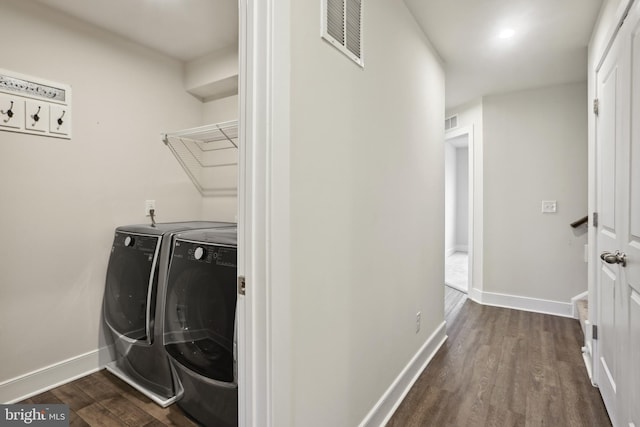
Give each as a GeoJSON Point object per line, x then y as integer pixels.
{"type": "Point", "coordinates": [457, 212]}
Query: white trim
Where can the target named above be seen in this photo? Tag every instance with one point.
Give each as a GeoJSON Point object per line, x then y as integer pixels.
{"type": "Point", "coordinates": [587, 351]}
{"type": "Point", "coordinates": [475, 295]}
{"type": "Point", "coordinates": [535, 305]}
{"type": "Point", "coordinates": [449, 252]}
{"type": "Point", "coordinates": [621, 13]}
{"type": "Point", "coordinates": [586, 358]}
{"type": "Point", "coordinates": [459, 131]}
{"type": "Point", "coordinates": [381, 413]}
{"type": "Point", "coordinates": [574, 301]}
{"type": "Point", "coordinates": [462, 248]}
{"type": "Point", "coordinates": [476, 194]}
{"type": "Point", "coordinates": [244, 331]}
{"type": "Point", "coordinates": [263, 229]}
{"type": "Point", "coordinates": [57, 374]}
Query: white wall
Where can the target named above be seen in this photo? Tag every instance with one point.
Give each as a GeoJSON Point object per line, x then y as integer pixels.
{"type": "Point", "coordinates": [220, 110]}
{"type": "Point", "coordinates": [224, 205]}
{"type": "Point", "coordinates": [367, 211]}
{"type": "Point", "coordinates": [535, 148]}
{"type": "Point", "coordinates": [62, 199]}
{"type": "Point", "coordinates": [462, 198]}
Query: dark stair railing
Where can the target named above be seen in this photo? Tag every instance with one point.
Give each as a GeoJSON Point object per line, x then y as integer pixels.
{"type": "Point", "coordinates": [578, 223]}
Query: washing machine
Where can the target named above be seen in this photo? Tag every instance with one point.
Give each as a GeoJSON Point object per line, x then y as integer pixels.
{"type": "Point", "coordinates": [199, 324]}
{"type": "Point", "coordinates": [134, 304]}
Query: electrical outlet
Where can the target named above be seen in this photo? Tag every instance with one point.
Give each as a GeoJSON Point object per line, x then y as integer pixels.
{"type": "Point", "coordinates": [148, 205]}
{"type": "Point", "coordinates": [418, 319]}
{"type": "Point", "coordinates": [549, 206]}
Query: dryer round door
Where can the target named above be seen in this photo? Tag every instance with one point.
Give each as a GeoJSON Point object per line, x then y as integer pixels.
{"type": "Point", "coordinates": [132, 278]}
{"type": "Point", "coordinates": [200, 309]}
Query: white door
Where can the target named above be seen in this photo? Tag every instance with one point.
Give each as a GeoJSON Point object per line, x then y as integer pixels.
{"type": "Point", "coordinates": [631, 239]}
{"type": "Point", "coordinates": [618, 232]}
{"type": "Point", "coordinates": [609, 128]}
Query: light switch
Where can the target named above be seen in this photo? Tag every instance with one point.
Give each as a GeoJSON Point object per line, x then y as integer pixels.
{"type": "Point", "coordinates": [36, 116]}
{"type": "Point", "coordinates": [11, 112]}
{"type": "Point", "coordinates": [549, 206]}
{"type": "Point", "coordinates": [59, 119]}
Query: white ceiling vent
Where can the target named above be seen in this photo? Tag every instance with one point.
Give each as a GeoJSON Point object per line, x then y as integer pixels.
{"type": "Point", "coordinates": [342, 27]}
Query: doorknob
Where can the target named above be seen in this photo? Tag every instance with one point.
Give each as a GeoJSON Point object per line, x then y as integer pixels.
{"type": "Point", "coordinates": [616, 257]}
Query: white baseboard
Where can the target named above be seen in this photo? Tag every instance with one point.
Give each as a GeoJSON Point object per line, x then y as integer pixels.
{"type": "Point", "coordinates": [462, 248]}
{"type": "Point", "coordinates": [41, 380]}
{"type": "Point", "coordinates": [574, 312]}
{"type": "Point", "coordinates": [449, 252]}
{"type": "Point", "coordinates": [381, 413]}
{"type": "Point", "coordinates": [475, 295]}
{"type": "Point", "coordinates": [515, 302]}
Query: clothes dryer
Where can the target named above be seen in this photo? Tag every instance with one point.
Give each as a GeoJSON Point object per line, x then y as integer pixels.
{"type": "Point", "coordinates": [134, 304]}
{"type": "Point", "coordinates": [200, 324]}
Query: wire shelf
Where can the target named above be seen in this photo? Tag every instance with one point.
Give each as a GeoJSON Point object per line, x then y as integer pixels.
{"type": "Point", "coordinates": [209, 156]}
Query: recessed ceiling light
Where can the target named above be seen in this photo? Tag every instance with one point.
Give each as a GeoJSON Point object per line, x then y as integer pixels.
{"type": "Point", "coordinates": [506, 33]}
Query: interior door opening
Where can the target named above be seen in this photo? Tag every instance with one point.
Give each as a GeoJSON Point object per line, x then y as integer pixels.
{"type": "Point", "coordinates": [457, 213]}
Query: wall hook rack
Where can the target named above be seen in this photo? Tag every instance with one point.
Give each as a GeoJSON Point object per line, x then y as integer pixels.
{"type": "Point", "coordinates": [8, 113]}
{"type": "Point", "coordinates": [60, 121]}
{"type": "Point", "coordinates": [34, 106]}
{"type": "Point", "coordinates": [35, 116]}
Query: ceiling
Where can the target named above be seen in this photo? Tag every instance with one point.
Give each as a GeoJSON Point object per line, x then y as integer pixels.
{"type": "Point", "coordinates": [549, 44]}
{"type": "Point", "coordinates": [182, 29]}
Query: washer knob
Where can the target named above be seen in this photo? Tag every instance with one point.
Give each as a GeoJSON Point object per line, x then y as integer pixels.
{"type": "Point", "coordinates": [199, 253]}
{"type": "Point", "coordinates": [128, 241]}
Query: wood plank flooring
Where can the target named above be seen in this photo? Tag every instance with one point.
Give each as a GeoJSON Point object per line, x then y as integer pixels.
{"type": "Point", "coordinates": [499, 367]}
{"type": "Point", "coordinates": [453, 302]}
{"type": "Point", "coordinates": [502, 367]}
{"type": "Point", "coordinates": [101, 399]}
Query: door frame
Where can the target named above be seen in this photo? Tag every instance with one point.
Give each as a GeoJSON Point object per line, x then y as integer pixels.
{"type": "Point", "coordinates": [263, 313]}
{"type": "Point", "coordinates": [474, 285]}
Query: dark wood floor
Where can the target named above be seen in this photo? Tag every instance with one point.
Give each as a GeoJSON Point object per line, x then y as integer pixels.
{"type": "Point", "coordinates": [503, 368]}
{"type": "Point", "coordinates": [499, 367]}
{"type": "Point", "coordinates": [101, 399]}
{"type": "Point", "coordinates": [453, 303]}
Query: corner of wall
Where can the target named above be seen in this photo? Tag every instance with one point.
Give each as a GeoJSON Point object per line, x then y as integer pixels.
{"type": "Point", "coordinates": [384, 409]}
{"type": "Point", "coordinates": [36, 382]}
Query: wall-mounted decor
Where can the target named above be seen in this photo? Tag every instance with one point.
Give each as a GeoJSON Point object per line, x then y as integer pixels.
{"type": "Point", "coordinates": [34, 106]}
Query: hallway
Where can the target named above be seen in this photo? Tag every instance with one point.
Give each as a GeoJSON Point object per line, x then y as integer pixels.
{"type": "Point", "coordinates": [502, 367]}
